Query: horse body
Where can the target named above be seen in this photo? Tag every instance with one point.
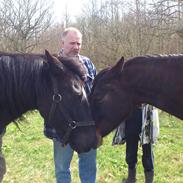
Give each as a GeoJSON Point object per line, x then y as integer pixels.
{"type": "Point", "coordinates": [51, 85]}
{"type": "Point", "coordinates": [156, 80]}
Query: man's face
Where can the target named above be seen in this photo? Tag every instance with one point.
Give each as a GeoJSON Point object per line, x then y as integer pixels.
{"type": "Point", "coordinates": [71, 44]}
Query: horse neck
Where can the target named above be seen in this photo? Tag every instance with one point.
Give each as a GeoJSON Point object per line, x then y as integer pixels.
{"type": "Point", "coordinates": [157, 83]}
{"type": "Point", "coordinates": [18, 88]}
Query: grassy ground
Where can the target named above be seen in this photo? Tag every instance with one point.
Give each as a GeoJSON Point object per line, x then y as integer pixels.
{"type": "Point", "coordinates": [29, 155]}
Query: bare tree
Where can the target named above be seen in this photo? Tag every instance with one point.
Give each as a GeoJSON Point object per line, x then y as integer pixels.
{"type": "Point", "coordinates": [113, 28]}
{"type": "Point", "coordinates": [168, 18]}
{"type": "Point", "coordinates": [51, 39]}
{"type": "Point", "coordinates": [22, 22]}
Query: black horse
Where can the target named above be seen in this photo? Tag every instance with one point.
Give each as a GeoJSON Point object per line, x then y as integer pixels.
{"type": "Point", "coordinates": [156, 80]}
{"type": "Point", "coordinates": [52, 85]}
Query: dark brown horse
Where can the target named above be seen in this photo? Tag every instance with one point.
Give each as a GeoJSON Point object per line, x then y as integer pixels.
{"type": "Point", "coordinates": [52, 85]}
{"type": "Point", "coordinates": [156, 80]}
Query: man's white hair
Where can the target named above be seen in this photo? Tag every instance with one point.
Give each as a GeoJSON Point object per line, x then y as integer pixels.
{"type": "Point", "coordinates": [70, 29]}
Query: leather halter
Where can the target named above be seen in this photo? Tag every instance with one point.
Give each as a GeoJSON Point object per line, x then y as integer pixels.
{"type": "Point", "coordinates": [57, 98]}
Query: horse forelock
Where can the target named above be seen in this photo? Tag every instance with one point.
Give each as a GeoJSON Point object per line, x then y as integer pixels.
{"type": "Point", "coordinates": [76, 66]}
{"type": "Point", "coordinates": [101, 75]}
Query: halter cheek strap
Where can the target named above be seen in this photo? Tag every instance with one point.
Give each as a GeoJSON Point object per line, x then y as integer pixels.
{"type": "Point", "coordinates": [57, 98]}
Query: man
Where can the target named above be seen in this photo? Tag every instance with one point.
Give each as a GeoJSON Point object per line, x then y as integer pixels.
{"type": "Point", "coordinates": [70, 47]}
{"type": "Point", "coordinates": [2, 160]}
{"type": "Point", "coordinates": [141, 125]}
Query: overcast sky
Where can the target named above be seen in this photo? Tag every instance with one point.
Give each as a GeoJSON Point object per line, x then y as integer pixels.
{"type": "Point", "coordinates": [74, 8]}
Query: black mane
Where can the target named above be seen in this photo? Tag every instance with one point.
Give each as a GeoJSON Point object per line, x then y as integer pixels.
{"type": "Point", "coordinates": [20, 78]}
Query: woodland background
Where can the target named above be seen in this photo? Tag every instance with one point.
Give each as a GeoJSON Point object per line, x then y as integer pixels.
{"type": "Point", "coordinates": [111, 28]}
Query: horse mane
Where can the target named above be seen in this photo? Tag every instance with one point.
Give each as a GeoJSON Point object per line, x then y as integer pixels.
{"type": "Point", "coordinates": [76, 66]}
{"type": "Point", "coordinates": [154, 58]}
{"type": "Point", "coordinates": [18, 67]}
{"type": "Point", "coordinates": [20, 78]}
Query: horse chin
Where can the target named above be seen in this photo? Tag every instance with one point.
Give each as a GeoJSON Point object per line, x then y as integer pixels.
{"type": "Point", "coordinates": [83, 144]}
{"type": "Point", "coordinates": [80, 150]}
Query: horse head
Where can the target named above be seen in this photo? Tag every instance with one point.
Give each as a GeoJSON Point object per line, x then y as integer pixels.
{"type": "Point", "coordinates": [110, 99]}
{"type": "Point", "coordinates": [65, 105]}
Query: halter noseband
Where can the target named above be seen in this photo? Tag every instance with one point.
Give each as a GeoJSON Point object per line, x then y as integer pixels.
{"type": "Point", "coordinates": [57, 98]}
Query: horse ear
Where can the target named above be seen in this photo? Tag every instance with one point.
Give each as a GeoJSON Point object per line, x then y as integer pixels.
{"type": "Point", "coordinates": [119, 66]}
{"type": "Point", "coordinates": [55, 65]}
{"type": "Point", "coordinates": [120, 63]}
{"type": "Point", "coordinates": [48, 55]}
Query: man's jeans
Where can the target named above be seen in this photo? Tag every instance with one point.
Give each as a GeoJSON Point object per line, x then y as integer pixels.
{"type": "Point", "coordinates": [63, 157]}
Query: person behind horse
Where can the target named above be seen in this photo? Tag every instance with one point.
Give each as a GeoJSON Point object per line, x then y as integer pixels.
{"type": "Point", "coordinates": [138, 124]}
{"type": "Point", "coordinates": [2, 159]}
{"type": "Point", "coordinates": [70, 47]}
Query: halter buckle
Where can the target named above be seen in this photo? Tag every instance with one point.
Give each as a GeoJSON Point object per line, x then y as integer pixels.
{"type": "Point", "coordinates": [73, 125]}
{"type": "Point", "coordinates": [57, 98]}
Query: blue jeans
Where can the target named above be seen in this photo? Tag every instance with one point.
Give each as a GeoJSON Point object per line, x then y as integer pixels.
{"type": "Point", "coordinates": [62, 159]}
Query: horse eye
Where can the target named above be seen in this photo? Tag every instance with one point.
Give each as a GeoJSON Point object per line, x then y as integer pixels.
{"type": "Point", "coordinates": [77, 88]}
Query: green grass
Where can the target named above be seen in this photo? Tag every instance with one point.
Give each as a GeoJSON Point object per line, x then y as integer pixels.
{"type": "Point", "coordinates": [29, 155]}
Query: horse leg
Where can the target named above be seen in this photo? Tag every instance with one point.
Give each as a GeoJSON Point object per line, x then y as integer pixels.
{"type": "Point", "coordinates": [2, 161]}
